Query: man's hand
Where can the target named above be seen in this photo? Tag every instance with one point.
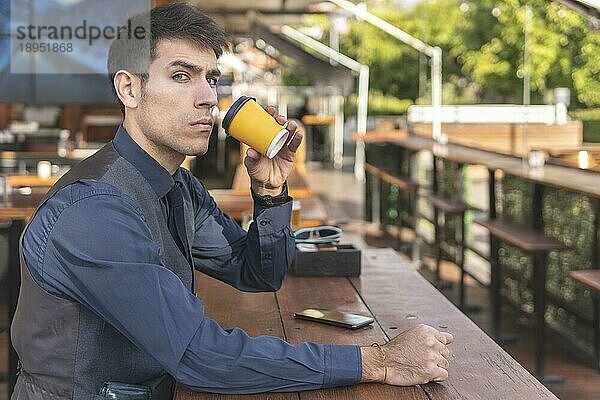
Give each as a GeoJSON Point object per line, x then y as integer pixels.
{"type": "Point", "coordinates": [416, 356]}
{"type": "Point", "coordinates": [267, 176]}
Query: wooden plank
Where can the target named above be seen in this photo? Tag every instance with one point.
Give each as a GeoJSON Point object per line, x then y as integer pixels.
{"type": "Point", "coordinates": [520, 236]}
{"type": "Point", "coordinates": [402, 183]}
{"type": "Point", "coordinates": [318, 119]}
{"type": "Point", "coordinates": [508, 138]}
{"type": "Point", "coordinates": [588, 278]}
{"type": "Point", "coordinates": [479, 369]}
{"type": "Point", "coordinates": [232, 308]}
{"type": "Point", "coordinates": [32, 180]}
{"type": "Point", "coordinates": [299, 293]}
{"type": "Point", "coordinates": [447, 205]}
{"type": "Point", "coordinates": [373, 170]}
{"type": "Point", "coordinates": [379, 135]}
{"type": "Point", "coordinates": [561, 177]}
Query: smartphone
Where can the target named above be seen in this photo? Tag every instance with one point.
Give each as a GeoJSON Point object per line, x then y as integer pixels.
{"type": "Point", "coordinates": [332, 317]}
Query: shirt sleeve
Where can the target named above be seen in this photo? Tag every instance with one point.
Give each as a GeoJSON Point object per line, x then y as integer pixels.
{"type": "Point", "coordinates": [106, 258]}
{"type": "Point", "coordinates": [256, 260]}
{"type": "Point", "coordinates": [231, 362]}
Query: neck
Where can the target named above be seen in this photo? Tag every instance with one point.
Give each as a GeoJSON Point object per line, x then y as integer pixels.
{"type": "Point", "coordinates": [167, 158]}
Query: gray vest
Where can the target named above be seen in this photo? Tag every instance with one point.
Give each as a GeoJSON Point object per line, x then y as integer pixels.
{"type": "Point", "coordinates": [66, 350]}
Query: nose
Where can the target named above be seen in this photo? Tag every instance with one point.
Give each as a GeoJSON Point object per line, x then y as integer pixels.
{"type": "Point", "coordinates": [205, 96]}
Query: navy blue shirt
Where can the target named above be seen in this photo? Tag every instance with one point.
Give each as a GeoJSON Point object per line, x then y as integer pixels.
{"type": "Point", "coordinates": [90, 244]}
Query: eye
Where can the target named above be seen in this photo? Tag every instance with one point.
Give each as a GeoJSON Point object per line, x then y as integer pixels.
{"type": "Point", "coordinates": [212, 81]}
{"type": "Point", "coordinates": [181, 77]}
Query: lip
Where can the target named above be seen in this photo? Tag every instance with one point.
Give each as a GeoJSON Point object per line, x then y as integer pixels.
{"type": "Point", "coordinates": [202, 124]}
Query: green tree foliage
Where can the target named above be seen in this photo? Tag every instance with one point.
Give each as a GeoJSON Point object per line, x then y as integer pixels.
{"type": "Point", "coordinates": [587, 76]}
{"type": "Point", "coordinates": [483, 46]}
{"type": "Point", "coordinates": [497, 63]}
{"type": "Point", "coordinates": [394, 67]}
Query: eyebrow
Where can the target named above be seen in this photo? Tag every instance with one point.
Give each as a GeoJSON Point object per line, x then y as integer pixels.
{"type": "Point", "coordinates": [193, 67]}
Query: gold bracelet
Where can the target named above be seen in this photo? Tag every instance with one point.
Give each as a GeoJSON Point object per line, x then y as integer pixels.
{"type": "Point", "coordinates": [384, 358]}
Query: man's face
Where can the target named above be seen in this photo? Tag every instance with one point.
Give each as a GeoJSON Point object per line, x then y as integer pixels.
{"type": "Point", "coordinates": [174, 112]}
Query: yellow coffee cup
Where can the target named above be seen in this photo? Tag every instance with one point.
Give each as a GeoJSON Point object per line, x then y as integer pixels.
{"type": "Point", "coordinates": [249, 123]}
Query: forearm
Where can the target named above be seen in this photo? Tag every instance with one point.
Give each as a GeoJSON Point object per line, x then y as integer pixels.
{"type": "Point", "coordinates": [254, 261]}
{"type": "Point", "coordinates": [270, 245]}
{"type": "Point", "coordinates": [230, 361]}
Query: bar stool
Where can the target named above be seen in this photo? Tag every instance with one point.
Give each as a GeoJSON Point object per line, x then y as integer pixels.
{"type": "Point", "coordinates": [538, 246]}
{"type": "Point", "coordinates": [590, 279]}
{"type": "Point", "coordinates": [457, 209]}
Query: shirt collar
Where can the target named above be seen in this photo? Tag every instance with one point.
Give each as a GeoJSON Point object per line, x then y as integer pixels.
{"type": "Point", "coordinates": [159, 178]}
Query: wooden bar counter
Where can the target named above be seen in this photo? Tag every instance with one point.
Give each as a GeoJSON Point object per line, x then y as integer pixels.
{"type": "Point", "coordinates": [398, 298]}
{"type": "Point", "coordinates": [578, 180]}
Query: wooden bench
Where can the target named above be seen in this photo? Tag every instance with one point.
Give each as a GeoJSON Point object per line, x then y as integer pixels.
{"type": "Point", "coordinates": [590, 279]}
{"type": "Point", "coordinates": [538, 246]}
{"type": "Point", "coordinates": [384, 177]}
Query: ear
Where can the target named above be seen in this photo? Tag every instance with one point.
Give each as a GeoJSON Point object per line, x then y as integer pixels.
{"type": "Point", "coordinates": [128, 88]}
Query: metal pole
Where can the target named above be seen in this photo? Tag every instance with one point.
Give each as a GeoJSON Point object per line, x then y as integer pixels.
{"type": "Point", "coordinates": [361, 122]}
{"type": "Point", "coordinates": [337, 103]}
{"type": "Point", "coordinates": [527, 57]}
{"type": "Point", "coordinates": [363, 90]}
{"type": "Point", "coordinates": [334, 40]}
{"type": "Point", "coordinates": [320, 48]}
{"type": "Point", "coordinates": [434, 52]}
{"type": "Point", "coordinates": [363, 14]}
{"type": "Point", "coordinates": [436, 93]}
{"type": "Point", "coordinates": [526, 78]}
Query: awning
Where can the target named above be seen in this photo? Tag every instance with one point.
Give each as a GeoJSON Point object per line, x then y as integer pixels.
{"type": "Point", "coordinates": [321, 70]}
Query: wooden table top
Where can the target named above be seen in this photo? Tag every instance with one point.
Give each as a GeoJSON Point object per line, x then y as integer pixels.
{"type": "Point", "coordinates": [318, 119]}
{"type": "Point", "coordinates": [20, 206]}
{"type": "Point", "coordinates": [398, 298]}
{"type": "Point", "coordinates": [313, 213]}
{"type": "Point", "coordinates": [586, 182]}
{"type": "Point", "coordinates": [32, 180]}
{"type": "Point", "coordinates": [71, 157]}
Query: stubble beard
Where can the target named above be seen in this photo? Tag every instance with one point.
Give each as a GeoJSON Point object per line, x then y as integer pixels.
{"type": "Point", "coordinates": [166, 139]}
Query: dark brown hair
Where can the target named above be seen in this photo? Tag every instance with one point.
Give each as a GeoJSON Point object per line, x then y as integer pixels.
{"type": "Point", "coordinates": [169, 21]}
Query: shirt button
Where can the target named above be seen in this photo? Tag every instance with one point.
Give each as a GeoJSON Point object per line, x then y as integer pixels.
{"type": "Point", "coordinates": [264, 222]}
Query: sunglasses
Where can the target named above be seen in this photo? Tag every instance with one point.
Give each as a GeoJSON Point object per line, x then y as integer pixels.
{"type": "Point", "coordinates": [318, 234]}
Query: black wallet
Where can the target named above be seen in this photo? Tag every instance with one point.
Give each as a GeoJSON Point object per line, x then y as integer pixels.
{"type": "Point", "coordinates": [125, 391]}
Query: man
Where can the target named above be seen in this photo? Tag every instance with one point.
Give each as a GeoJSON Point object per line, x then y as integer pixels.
{"type": "Point", "coordinates": [107, 303]}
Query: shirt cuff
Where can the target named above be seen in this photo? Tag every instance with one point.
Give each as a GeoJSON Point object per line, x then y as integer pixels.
{"type": "Point", "coordinates": [343, 365]}
{"type": "Point", "coordinates": [272, 219]}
